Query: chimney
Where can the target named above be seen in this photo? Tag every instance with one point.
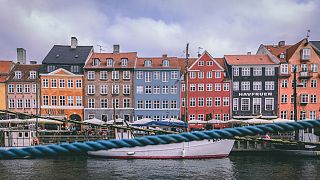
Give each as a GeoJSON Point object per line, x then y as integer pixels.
{"type": "Point", "coordinates": [74, 42]}
{"type": "Point", "coordinates": [33, 62]}
{"type": "Point", "coordinates": [281, 43]}
{"type": "Point", "coordinates": [164, 56]}
{"type": "Point", "coordinates": [116, 48]}
{"type": "Point", "coordinates": [248, 53]}
{"type": "Point", "coordinates": [21, 56]}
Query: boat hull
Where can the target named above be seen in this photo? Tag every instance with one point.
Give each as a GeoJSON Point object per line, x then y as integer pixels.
{"type": "Point", "coordinates": [186, 150]}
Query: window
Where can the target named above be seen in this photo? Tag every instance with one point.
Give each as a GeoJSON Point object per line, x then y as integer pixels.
{"type": "Point", "coordinates": [217, 87]}
{"type": "Point", "coordinates": [19, 88]}
{"type": "Point", "coordinates": [209, 102]}
{"type": "Point", "coordinates": [126, 89]}
{"type": "Point", "coordinates": [314, 83]}
{"type": "Point", "coordinates": [281, 56]}
{"type": "Point", "coordinates": [235, 104]}
{"type": "Point", "coordinates": [148, 76]}
{"type": "Point", "coordinates": [70, 100]}
{"type": "Point", "coordinates": [109, 62]}
{"type": "Point", "coordinates": [218, 74]}
{"type": "Point", "coordinates": [294, 66]}
{"type": "Point", "coordinates": [103, 75]}
{"type": "Point", "coordinates": [156, 118]}
{"type": "Point", "coordinates": [27, 103]}
{"type": "Point", "coordinates": [269, 104]}
{"type": "Point", "coordinates": [236, 86]}
{"type": "Point", "coordinates": [165, 63]}
{"type": "Point", "coordinates": [174, 104]}
{"type": "Point", "coordinates": [148, 89]}
{"type": "Point", "coordinates": [174, 89]}
{"type": "Point", "coordinates": [245, 104]}
{"type": "Point", "coordinates": [235, 71]}
{"type": "Point", "coordinates": [45, 100]}
{"type": "Point", "coordinates": [34, 88]}
{"type": "Point", "coordinates": [192, 75]}
{"type": "Point", "coordinates": [78, 100]}
{"type": "Point", "coordinates": [217, 116]}
{"type": "Point", "coordinates": [45, 83]}
{"type": "Point", "coordinates": [183, 102]}
{"type": "Point", "coordinates": [19, 104]}
{"type": "Point", "coordinates": [209, 87]}
{"type": "Point", "coordinates": [126, 103]}
{"type": "Point", "coordinates": [156, 75]}
{"type": "Point", "coordinates": [200, 87]}
{"type": "Point", "coordinates": [115, 89]}
{"type": "Point", "coordinates": [165, 76]}
{"type": "Point", "coordinates": [103, 89]}
{"type": "Point", "coordinates": [17, 75]}
{"type": "Point", "coordinates": [165, 89]}
{"type": "Point", "coordinates": [140, 104]}
{"type": "Point", "coordinates": [156, 89]}
{"type": "Point", "coordinates": [91, 75]}
{"type": "Point", "coordinates": [148, 104]}
{"type": "Point", "coordinates": [147, 63]}
{"type": "Point", "coordinates": [70, 83]}
{"type": "Point", "coordinates": [75, 69]}
{"type": "Point", "coordinates": [304, 83]}
{"type": "Point", "coordinates": [126, 74]}
{"type": "Point", "coordinates": [53, 83]}
{"type": "Point", "coordinates": [283, 115]}
{"type": "Point", "coordinates": [61, 83]}
{"type": "Point", "coordinates": [209, 63]}
{"type": "Point", "coordinates": [245, 85]}
{"type": "Point", "coordinates": [11, 88]}
{"type": "Point", "coordinates": [139, 75]}
{"type": "Point", "coordinates": [314, 67]}
{"type": "Point", "coordinates": [174, 74]}
{"type": "Point", "coordinates": [11, 103]}
{"type": "Point", "coordinates": [313, 115]}
{"type": "Point", "coordinates": [192, 87]}
{"type": "Point", "coordinates": [209, 74]}
{"type": "Point", "coordinates": [91, 103]}
{"type": "Point", "coordinates": [53, 100]}
{"type": "Point", "coordinates": [225, 86]}
{"type": "Point", "coordinates": [284, 69]}
{"type": "Point", "coordinates": [225, 101]}
{"type": "Point", "coordinates": [78, 83]}
{"type": "Point", "coordinates": [124, 61]}
{"type": "Point", "coordinates": [27, 88]}
{"type": "Point", "coordinates": [192, 117]}
{"type": "Point", "coordinates": [284, 83]}
{"type": "Point", "coordinates": [192, 102]}
{"type": "Point", "coordinates": [284, 98]}
{"type": "Point", "coordinates": [257, 71]}
{"type": "Point", "coordinates": [200, 117]}
{"type": "Point", "coordinates": [303, 115]}
{"type": "Point", "coordinates": [201, 63]}
{"type": "Point", "coordinates": [200, 75]}
{"type": "Point", "coordinates": [257, 85]}
{"type": "Point", "coordinates": [156, 104]}
{"type": "Point", "coordinates": [62, 100]}
{"type": "Point", "coordinates": [51, 68]}
{"type": "Point", "coordinates": [256, 105]}
{"type": "Point", "coordinates": [305, 54]}
{"type": "Point", "coordinates": [269, 85]}
{"type": "Point", "coordinates": [139, 89]}
{"type": "Point", "coordinates": [269, 71]}
{"type": "Point", "coordinates": [32, 74]}
{"type": "Point", "coordinates": [91, 89]}
{"type": "Point", "coordinates": [217, 101]}
{"type": "Point", "coordinates": [201, 102]}
{"type": "Point", "coordinates": [96, 62]}
{"type": "Point", "coordinates": [115, 74]}
{"type": "Point", "coordinates": [313, 98]}
{"type": "Point", "coordinates": [226, 117]}
{"type": "Point", "coordinates": [245, 71]}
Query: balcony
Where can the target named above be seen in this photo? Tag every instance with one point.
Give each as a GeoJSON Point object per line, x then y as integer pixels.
{"type": "Point", "coordinates": [284, 75]}
{"type": "Point", "coordinates": [305, 74]}
{"type": "Point", "coordinates": [303, 103]}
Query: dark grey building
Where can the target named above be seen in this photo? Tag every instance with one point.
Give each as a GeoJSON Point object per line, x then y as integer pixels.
{"type": "Point", "coordinates": [254, 86]}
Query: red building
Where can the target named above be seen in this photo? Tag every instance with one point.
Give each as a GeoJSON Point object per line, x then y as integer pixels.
{"type": "Point", "coordinates": [208, 90]}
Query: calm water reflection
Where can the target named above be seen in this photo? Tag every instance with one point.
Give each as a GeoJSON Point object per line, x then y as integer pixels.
{"type": "Point", "coordinates": [234, 167]}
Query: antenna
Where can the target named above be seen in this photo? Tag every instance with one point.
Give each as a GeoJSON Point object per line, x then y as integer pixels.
{"type": "Point", "coordinates": [308, 31]}
{"type": "Point", "coordinates": [100, 48]}
{"type": "Point", "coordinates": [199, 48]}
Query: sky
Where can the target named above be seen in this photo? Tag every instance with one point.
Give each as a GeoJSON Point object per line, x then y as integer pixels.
{"type": "Point", "coordinates": [155, 27]}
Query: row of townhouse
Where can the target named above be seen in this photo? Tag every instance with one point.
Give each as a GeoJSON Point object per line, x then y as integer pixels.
{"type": "Point", "coordinates": [74, 82]}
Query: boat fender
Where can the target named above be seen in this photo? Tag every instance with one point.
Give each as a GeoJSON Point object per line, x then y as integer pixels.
{"type": "Point", "coordinates": [130, 153]}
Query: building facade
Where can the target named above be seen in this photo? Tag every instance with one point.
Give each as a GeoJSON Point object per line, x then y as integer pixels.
{"type": "Point", "coordinates": [62, 95]}
{"type": "Point", "coordinates": [23, 89]}
{"type": "Point", "coordinates": [208, 90]}
{"type": "Point", "coordinates": [254, 86]}
{"type": "Point", "coordinates": [157, 88]}
{"type": "Point", "coordinates": [5, 68]}
{"type": "Point", "coordinates": [108, 82]}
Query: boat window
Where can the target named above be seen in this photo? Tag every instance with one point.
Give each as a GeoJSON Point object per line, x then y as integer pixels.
{"type": "Point", "coordinates": [7, 134]}
{"type": "Point", "coordinates": [20, 134]}
{"type": "Point", "coordinates": [32, 135]}
{"type": "Point", "coordinates": [26, 134]}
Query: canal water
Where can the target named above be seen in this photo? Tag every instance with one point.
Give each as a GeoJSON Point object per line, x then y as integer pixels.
{"type": "Point", "coordinates": [234, 167]}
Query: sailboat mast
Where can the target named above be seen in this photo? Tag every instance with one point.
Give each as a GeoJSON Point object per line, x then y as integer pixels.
{"type": "Point", "coordinates": [186, 75]}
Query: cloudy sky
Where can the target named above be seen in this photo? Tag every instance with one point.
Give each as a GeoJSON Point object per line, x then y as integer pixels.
{"type": "Point", "coordinates": [153, 28]}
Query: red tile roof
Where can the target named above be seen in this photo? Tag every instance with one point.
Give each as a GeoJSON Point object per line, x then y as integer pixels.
{"type": "Point", "coordinates": [277, 50]}
{"type": "Point", "coordinates": [131, 56]}
{"type": "Point", "coordinates": [221, 62]}
{"type": "Point", "coordinates": [293, 49]}
{"type": "Point", "coordinates": [5, 67]}
{"type": "Point", "coordinates": [157, 62]}
{"type": "Point", "coordinates": [182, 63]}
{"type": "Point", "coordinates": [25, 71]}
{"type": "Point", "coordinates": [248, 59]}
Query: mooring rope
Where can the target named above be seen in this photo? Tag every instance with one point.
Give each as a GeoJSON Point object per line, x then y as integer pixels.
{"type": "Point", "coordinates": [54, 150]}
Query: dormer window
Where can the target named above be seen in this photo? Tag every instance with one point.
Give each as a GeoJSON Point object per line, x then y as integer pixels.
{"type": "Point", "coordinates": [33, 75]}
{"type": "Point", "coordinates": [96, 62]}
{"type": "Point", "coordinates": [124, 62]}
{"type": "Point", "coordinates": [305, 54]}
{"type": "Point", "coordinates": [110, 62]}
{"type": "Point", "coordinates": [17, 74]}
{"type": "Point", "coordinates": [147, 63]}
{"type": "Point", "coordinates": [282, 56]}
{"type": "Point", "coordinates": [51, 68]}
{"type": "Point", "coordinates": [165, 63]}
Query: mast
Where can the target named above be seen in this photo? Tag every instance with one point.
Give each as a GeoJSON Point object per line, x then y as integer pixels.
{"type": "Point", "coordinates": [186, 75]}
{"type": "Point", "coordinates": [296, 134]}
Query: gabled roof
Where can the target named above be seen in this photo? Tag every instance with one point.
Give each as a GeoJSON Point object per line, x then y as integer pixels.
{"type": "Point", "coordinates": [293, 49]}
{"type": "Point", "coordinates": [182, 63]}
{"type": "Point", "coordinates": [316, 44]}
{"type": "Point", "coordinates": [60, 54]}
{"type": "Point", "coordinates": [157, 62]}
{"type": "Point", "coordinates": [213, 59]}
{"type": "Point", "coordinates": [5, 66]}
{"type": "Point", "coordinates": [131, 56]}
{"type": "Point", "coordinates": [277, 50]}
{"type": "Point", "coordinates": [261, 59]}
{"type": "Point", "coordinates": [25, 72]}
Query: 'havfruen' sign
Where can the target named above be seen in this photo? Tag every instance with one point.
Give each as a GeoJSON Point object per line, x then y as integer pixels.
{"type": "Point", "coordinates": [256, 94]}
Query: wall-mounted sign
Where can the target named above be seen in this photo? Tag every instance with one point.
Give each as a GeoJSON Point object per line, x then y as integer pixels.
{"type": "Point", "coordinates": [54, 111]}
{"type": "Point", "coordinates": [256, 94]}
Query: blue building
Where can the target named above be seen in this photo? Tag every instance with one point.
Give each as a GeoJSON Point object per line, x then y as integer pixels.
{"type": "Point", "coordinates": [157, 88]}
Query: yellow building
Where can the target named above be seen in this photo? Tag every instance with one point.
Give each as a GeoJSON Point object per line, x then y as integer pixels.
{"type": "Point", "coordinates": [5, 67]}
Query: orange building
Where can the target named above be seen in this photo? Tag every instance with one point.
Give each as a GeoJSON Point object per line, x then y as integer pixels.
{"type": "Point", "coordinates": [62, 95]}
